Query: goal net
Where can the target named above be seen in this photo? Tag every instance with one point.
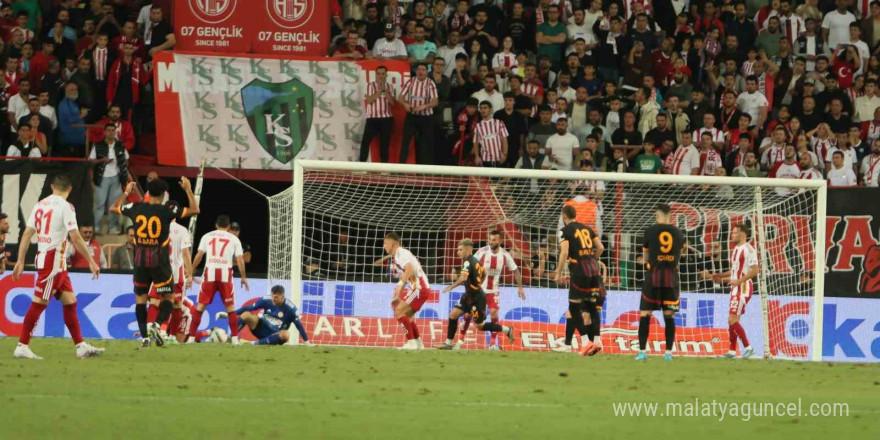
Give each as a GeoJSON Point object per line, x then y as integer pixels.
{"type": "Point", "coordinates": [327, 233]}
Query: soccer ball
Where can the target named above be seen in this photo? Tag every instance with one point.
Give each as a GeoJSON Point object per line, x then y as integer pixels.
{"type": "Point", "coordinates": [219, 335]}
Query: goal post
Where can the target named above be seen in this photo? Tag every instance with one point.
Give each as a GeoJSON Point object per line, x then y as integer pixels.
{"type": "Point", "coordinates": [327, 229]}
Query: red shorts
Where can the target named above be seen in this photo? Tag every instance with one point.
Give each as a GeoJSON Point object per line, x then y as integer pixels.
{"type": "Point", "coordinates": [185, 324]}
{"type": "Point", "coordinates": [492, 301]}
{"type": "Point", "coordinates": [739, 298]}
{"type": "Point", "coordinates": [209, 288]}
{"type": "Point", "coordinates": [416, 298]}
{"type": "Point", "coordinates": [46, 288]}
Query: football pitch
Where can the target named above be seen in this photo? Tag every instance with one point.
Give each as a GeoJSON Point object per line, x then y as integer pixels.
{"type": "Point", "coordinates": [221, 391]}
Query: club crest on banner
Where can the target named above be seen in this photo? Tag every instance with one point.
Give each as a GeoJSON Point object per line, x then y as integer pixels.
{"type": "Point", "coordinates": [290, 14]}
{"type": "Point", "coordinates": [213, 11]}
{"type": "Point", "coordinates": [279, 115]}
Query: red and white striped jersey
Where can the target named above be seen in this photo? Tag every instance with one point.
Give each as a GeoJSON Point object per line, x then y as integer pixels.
{"type": "Point", "coordinates": [530, 90]}
{"type": "Point", "coordinates": [685, 159]}
{"type": "Point", "coordinates": [772, 156]}
{"type": "Point", "coordinates": [742, 259]}
{"type": "Point", "coordinates": [180, 240]}
{"type": "Point", "coordinates": [490, 134]}
{"type": "Point", "coordinates": [52, 219]}
{"type": "Point", "coordinates": [810, 174]}
{"type": "Point", "coordinates": [220, 248]}
{"type": "Point", "coordinates": [870, 171]}
{"type": "Point", "coordinates": [418, 92]}
{"type": "Point", "coordinates": [710, 161]}
{"type": "Point", "coordinates": [494, 264]}
{"type": "Point", "coordinates": [717, 135]}
{"type": "Point", "coordinates": [399, 261]}
{"type": "Point", "coordinates": [822, 147]}
{"type": "Point", "coordinates": [505, 60]}
{"type": "Point", "coordinates": [381, 107]}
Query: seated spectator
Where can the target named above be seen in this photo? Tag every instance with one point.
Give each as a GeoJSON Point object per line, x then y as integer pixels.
{"type": "Point", "coordinates": [123, 256]}
{"type": "Point", "coordinates": [45, 125]}
{"type": "Point", "coordinates": [77, 260]}
{"type": "Point", "coordinates": [24, 146]}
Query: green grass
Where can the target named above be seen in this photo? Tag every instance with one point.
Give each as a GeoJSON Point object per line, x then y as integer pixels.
{"type": "Point", "coordinates": [213, 391]}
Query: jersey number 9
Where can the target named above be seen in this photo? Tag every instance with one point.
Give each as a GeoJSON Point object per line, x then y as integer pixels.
{"type": "Point", "coordinates": [665, 242]}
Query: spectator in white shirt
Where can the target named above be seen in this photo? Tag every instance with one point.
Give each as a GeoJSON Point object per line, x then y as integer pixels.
{"type": "Point", "coordinates": [835, 25]}
{"type": "Point", "coordinates": [753, 102]}
{"type": "Point", "coordinates": [47, 110]}
{"type": "Point", "coordinates": [562, 147]}
{"type": "Point", "coordinates": [450, 50]}
{"type": "Point", "coordinates": [390, 47]}
{"type": "Point", "coordinates": [840, 175]}
{"type": "Point", "coordinates": [24, 146]}
{"type": "Point", "coordinates": [490, 93]}
{"type": "Point", "coordinates": [808, 171]}
{"type": "Point", "coordinates": [867, 104]}
{"type": "Point", "coordinates": [870, 170]}
{"type": "Point", "coordinates": [18, 104]}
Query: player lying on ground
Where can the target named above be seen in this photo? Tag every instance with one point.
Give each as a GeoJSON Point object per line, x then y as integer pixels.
{"type": "Point", "coordinates": [662, 244]}
{"type": "Point", "coordinates": [181, 268]}
{"type": "Point", "coordinates": [272, 327]}
{"type": "Point", "coordinates": [581, 247]}
{"type": "Point", "coordinates": [52, 220]}
{"type": "Point", "coordinates": [474, 298]}
{"type": "Point", "coordinates": [152, 254]}
{"type": "Point", "coordinates": [407, 299]}
{"type": "Point", "coordinates": [222, 249]}
{"type": "Point", "coordinates": [494, 259]}
{"type": "Point", "coordinates": [743, 269]}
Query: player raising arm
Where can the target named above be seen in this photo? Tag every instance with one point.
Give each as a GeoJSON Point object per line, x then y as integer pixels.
{"type": "Point", "coordinates": [272, 327]}
{"type": "Point", "coordinates": [581, 247]}
{"type": "Point", "coordinates": [407, 299]}
{"type": "Point", "coordinates": [662, 246]}
{"type": "Point", "coordinates": [52, 220]}
{"type": "Point", "coordinates": [743, 269]}
{"type": "Point", "coordinates": [494, 260]}
{"type": "Point", "coordinates": [474, 299]}
{"type": "Point", "coordinates": [152, 253]}
{"type": "Point", "coordinates": [222, 248]}
{"type": "Point", "coordinates": [181, 269]}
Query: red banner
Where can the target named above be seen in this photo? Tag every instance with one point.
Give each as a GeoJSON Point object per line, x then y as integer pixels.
{"type": "Point", "coordinates": [296, 27]}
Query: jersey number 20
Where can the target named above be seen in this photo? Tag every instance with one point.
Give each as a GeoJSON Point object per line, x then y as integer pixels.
{"type": "Point", "coordinates": [151, 228]}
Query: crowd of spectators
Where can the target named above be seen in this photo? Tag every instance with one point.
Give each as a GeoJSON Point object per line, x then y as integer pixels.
{"type": "Point", "coordinates": [777, 88]}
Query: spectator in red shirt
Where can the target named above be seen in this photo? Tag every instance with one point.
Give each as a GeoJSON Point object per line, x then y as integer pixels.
{"type": "Point", "coordinates": [124, 130]}
{"type": "Point", "coordinates": [79, 261]}
{"type": "Point", "coordinates": [351, 49]}
{"type": "Point", "coordinates": [709, 21]}
{"type": "Point", "coordinates": [40, 64]}
{"type": "Point", "coordinates": [87, 40]}
{"type": "Point", "coordinates": [126, 78]}
{"type": "Point", "coordinates": [129, 35]}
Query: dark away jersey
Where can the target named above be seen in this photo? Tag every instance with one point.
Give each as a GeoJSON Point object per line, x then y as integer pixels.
{"type": "Point", "coordinates": [581, 246]}
{"type": "Point", "coordinates": [152, 224]}
{"type": "Point", "coordinates": [475, 273]}
{"type": "Point", "coordinates": [663, 243]}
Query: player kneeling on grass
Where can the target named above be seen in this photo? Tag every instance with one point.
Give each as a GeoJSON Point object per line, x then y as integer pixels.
{"type": "Point", "coordinates": [474, 299]}
{"type": "Point", "coordinates": [272, 327]}
{"type": "Point", "coordinates": [51, 220]}
{"type": "Point", "coordinates": [743, 268]}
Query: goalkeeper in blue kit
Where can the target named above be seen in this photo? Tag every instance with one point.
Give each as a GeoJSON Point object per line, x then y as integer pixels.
{"type": "Point", "coordinates": [272, 327]}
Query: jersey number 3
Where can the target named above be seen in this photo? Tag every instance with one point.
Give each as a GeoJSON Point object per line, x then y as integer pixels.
{"type": "Point", "coordinates": [148, 228]}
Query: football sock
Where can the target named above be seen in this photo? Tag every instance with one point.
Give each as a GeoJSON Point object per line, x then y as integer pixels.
{"type": "Point", "coordinates": [30, 321]}
{"type": "Point", "coordinates": [670, 332]}
{"type": "Point", "coordinates": [569, 330]}
{"type": "Point", "coordinates": [407, 330]}
{"type": "Point", "coordinates": [72, 323]}
{"type": "Point", "coordinates": [464, 328]}
{"type": "Point", "coordinates": [273, 339]}
{"type": "Point", "coordinates": [644, 328]}
{"type": "Point", "coordinates": [741, 332]}
{"type": "Point", "coordinates": [493, 337]}
{"type": "Point", "coordinates": [450, 330]}
{"type": "Point", "coordinates": [233, 323]}
{"type": "Point", "coordinates": [140, 311]}
{"type": "Point", "coordinates": [577, 318]}
{"type": "Point", "coordinates": [165, 308]}
{"type": "Point", "coordinates": [492, 327]}
{"type": "Point", "coordinates": [415, 329]}
{"type": "Point", "coordinates": [152, 313]}
{"type": "Point", "coordinates": [174, 324]}
{"type": "Point", "coordinates": [597, 326]}
{"type": "Point", "coordinates": [194, 329]}
{"type": "Point", "coordinates": [732, 334]}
